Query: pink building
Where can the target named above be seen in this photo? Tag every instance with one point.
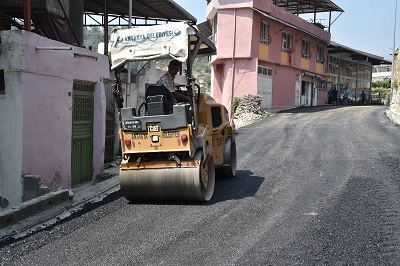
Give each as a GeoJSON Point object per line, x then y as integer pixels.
{"type": "Point", "coordinates": [264, 49]}
{"type": "Point", "coordinates": [53, 106]}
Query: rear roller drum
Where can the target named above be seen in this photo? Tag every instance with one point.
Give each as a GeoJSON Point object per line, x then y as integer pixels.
{"type": "Point", "coordinates": [207, 180]}
{"type": "Point", "coordinates": [229, 169]}
{"type": "Point", "coordinates": [190, 183]}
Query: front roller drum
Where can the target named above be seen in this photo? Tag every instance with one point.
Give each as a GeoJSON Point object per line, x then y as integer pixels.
{"type": "Point", "coordinates": [189, 183]}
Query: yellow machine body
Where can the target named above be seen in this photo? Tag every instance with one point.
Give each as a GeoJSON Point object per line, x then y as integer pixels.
{"type": "Point", "coordinates": [165, 158]}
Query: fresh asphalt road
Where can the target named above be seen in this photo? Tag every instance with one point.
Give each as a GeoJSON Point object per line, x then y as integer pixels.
{"type": "Point", "coordinates": [315, 186]}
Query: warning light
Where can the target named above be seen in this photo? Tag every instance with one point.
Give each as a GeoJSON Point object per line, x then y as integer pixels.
{"type": "Point", "coordinates": [127, 141]}
{"type": "Point", "coordinates": [184, 138]}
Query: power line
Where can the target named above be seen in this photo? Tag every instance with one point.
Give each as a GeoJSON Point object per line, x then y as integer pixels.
{"type": "Point", "coordinates": [373, 38]}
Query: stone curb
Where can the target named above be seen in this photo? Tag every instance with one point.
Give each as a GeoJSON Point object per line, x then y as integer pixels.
{"type": "Point", "coordinates": [32, 207]}
{"type": "Point", "coordinates": [57, 205]}
{"type": "Point", "coordinates": [393, 116]}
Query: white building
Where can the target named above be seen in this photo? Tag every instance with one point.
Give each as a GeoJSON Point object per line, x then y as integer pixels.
{"type": "Point", "coordinates": [381, 72]}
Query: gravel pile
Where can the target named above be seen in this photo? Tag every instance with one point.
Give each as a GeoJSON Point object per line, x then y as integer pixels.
{"type": "Point", "coordinates": [249, 110]}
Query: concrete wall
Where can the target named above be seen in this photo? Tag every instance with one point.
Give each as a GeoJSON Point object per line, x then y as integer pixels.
{"type": "Point", "coordinates": [11, 120]}
{"type": "Point", "coordinates": [321, 97]}
{"type": "Point", "coordinates": [37, 106]}
{"type": "Point", "coordinates": [234, 78]}
{"type": "Point", "coordinates": [236, 29]}
{"type": "Point", "coordinates": [283, 87]}
{"type": "Point", "coordinates": [395, 97]}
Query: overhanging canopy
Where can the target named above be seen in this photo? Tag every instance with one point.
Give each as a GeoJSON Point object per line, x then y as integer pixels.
{"type": "Point", "coordinates": [103, 13]}
{"type": "Point", "coordinates": [335, 48]}
{"type": "Point", "coordinates": [290, 25]}
{"type": "Point", "coordinates": [167, 41]}
{"type": "Point", "coordinates": [176, 40]}
{"type": "Point", "coordinates": [308, 6]}
{"type": "Point", "coordinates": [147, 9]}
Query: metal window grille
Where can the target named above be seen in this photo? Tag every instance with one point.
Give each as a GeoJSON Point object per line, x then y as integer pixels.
{"type": "Point", "coordinates": [265, 38]}
{"type": "Point", "coordinates": [287, 41]}
{"type": "Point", "coordinates": [305, 49]}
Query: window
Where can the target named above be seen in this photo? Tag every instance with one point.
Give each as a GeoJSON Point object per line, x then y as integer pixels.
{"type": "Point", "coordinates": [215, 29]}
{"type": "Point", "coordinates": [2, 83]}
{"type": "Point", "coordinates": [216, 116]}
{"type": "Point", "coordinates": [264, 33]}
{"type": "Point", "coordinates": [320, 54]}
{"type": "Point", "coordinates": [287, 41]}
{"type": "Point", "coordinates": [321, 84]}
{"type": "Point", "coordinates": [305, 49]}
{"type": "Point", "coordinates": [333, 66]}
{"type": "Point", "coordinates": [265, 71]}
{"type": "Point", "coordinates": [365, 72]}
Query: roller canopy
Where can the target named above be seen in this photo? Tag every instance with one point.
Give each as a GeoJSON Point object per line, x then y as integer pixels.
{"type": "Point", "coordinates": [167, 41]}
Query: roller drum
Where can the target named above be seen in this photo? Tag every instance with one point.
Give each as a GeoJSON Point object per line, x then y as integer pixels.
{"type": "Point", "coordinates": [169, 184]}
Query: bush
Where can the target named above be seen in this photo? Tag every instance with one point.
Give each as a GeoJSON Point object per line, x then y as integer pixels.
{"type": "Point", "coordinates": [235, 104]}
{"type": "Point", "coordinates": [385, 83]}
{"type": "Point", "coordinates": [380, 90]}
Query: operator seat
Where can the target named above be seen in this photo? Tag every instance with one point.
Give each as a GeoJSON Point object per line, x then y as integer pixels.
{"type": "Point", "coordinates": [159, 100]}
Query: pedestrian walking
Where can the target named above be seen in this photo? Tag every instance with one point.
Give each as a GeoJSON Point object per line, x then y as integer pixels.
{"type": "Point", "coordinates": [363, 97]}
{"type": "Point", "coordinates": [346, 96]}
{"type": "Point", "coordinates": [330, 96]}
{"type": "Point", "coordinates": [334, 96]}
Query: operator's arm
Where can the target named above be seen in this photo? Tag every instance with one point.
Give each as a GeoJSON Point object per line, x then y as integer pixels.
{"type": "Point", "coordinates": [169, 84]}
{"type": "Point", "coordinates": [180, 97]}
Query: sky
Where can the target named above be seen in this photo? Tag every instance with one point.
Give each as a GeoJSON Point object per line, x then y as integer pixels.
{"type": "Point", "coordinates": [365, 25]}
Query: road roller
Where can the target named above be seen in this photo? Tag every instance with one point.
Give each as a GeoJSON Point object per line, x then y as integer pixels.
{"type": "Point", "coordinates": [173, 151]}
{"type": "Point", "coordinates": [169, 156]}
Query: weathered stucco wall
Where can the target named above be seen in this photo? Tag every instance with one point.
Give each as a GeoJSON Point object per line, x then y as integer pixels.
{"type": "Point", "coordinates": [37, 106]}
{"type": "Point", "coordinates": [395, 101]}
{"type": "Point", "coordinates": [10, 120]}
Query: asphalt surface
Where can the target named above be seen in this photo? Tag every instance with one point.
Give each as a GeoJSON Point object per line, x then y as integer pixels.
{"type": "Point", "coordinates": [314, 186]}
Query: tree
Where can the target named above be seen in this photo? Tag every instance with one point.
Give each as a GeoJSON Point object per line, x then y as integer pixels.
{"type": "Point", "coordinates": [384, 83]}
{"type": "Point", "coordinates": [92, 36]}
{"type": "Point", "coordinates": [381, 88]}
{"type": "Point", "coordinates": [202, 72]}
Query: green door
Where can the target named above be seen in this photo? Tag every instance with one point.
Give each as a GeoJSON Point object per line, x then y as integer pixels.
{"type": "Point", "coordinates": [82, 133]}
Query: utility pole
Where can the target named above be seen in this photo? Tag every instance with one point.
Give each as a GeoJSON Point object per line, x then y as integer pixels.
{"type": "Point", "coordinates": [393, 55]}
{"type": "Point", "coordinates": [27, 15]}
{"type": "Point", "coordinates": [128, 79]}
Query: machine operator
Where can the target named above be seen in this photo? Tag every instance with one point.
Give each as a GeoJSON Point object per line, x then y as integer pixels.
{"type": "Point", "coordinates": [167, 79]}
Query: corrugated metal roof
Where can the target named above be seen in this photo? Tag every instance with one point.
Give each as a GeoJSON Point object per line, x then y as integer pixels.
{"type": "Point", "coordinates": [145, 9]}
{"type": "Point", "coordinates": [307, 6]}
{"type": "Point", "coordinates": [205, 28]}
{"type": "Point", "coordinates": [148, 9]}
{"type": "Point", "coordinates": [334, 48]}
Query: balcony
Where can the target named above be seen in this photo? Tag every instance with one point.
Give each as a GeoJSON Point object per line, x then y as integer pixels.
{"type": "Point", "coordinates": [212, 9]}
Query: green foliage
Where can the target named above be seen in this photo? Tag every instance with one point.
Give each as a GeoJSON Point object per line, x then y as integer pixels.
{"type": "Point", "coordinates": [381, 88]}
{"type": "Point", "coordinates": [202, 72]}
{"type": "Point", "coordinates": [385, 83]}
{"type": "Point", "coordinates": [235, 103]}
{"type": "Point", "coordinates": [380, 91]}
{"type": "Point", "coordinates": [92, 36]}
{"type": "Point", "coordinates": [163, 64]}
